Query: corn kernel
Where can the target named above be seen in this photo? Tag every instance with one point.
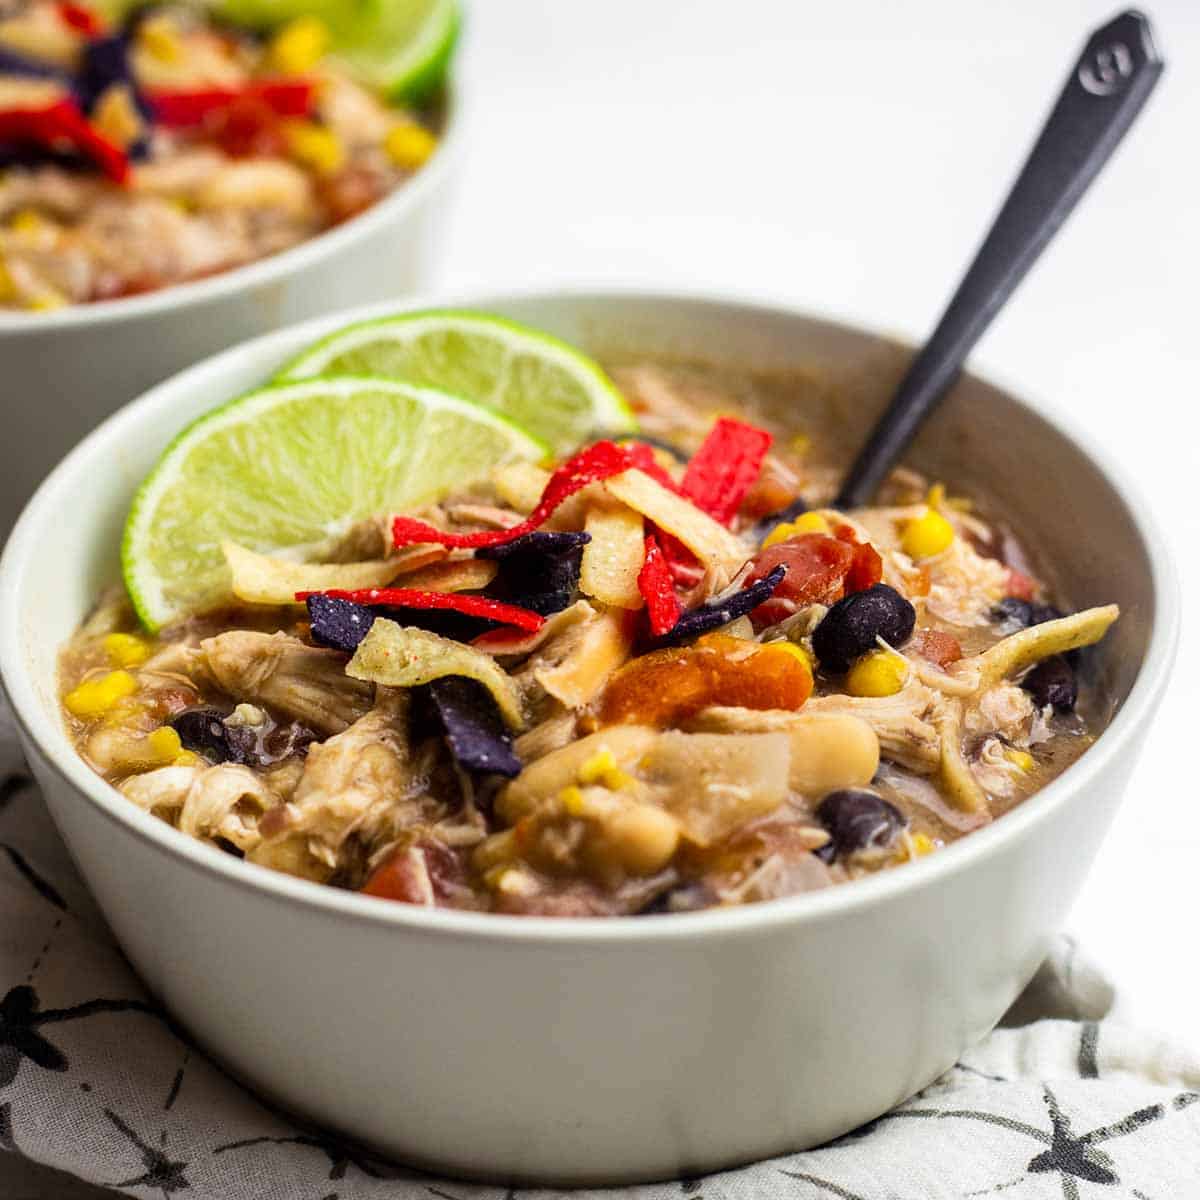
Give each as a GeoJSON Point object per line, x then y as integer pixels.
{"type": "Point", "coordinates": [28, 222]}
{"type": "Point", "coordinates": [186, 758]}
{"type": "Point", "coordinates": [602, 768]}
{"type": "Point", "coordinates": [116, 115]}
{"type": "Point", "coordinates": [936, 496]}
{"type": "Point", "coordinates": [922, 843]}
{"type": "Point", "coordinates": [164, 744]}
{"type": "Point", "coordinates": [410, 145]}
{"type": "Point", "coordinates": [94, 697]}
{"type": "Point", "coordinates": [809, 522]}
{"type": "Point", "coordinates": [1021, 759]}
{"type": "Point", "coordinates": [47, 301]}
{"type": "Point", "coordinates": [8, 285]}
{"type": "Point", "coordinates": [126, 649]}
{"type": "Point", "coordinates": [927, 535]}
{"type": "Point", "coordinates": [571, 798]}
{"type": "Point", "coordinates": [159, 38]}
{"type": "Point", "coordinates": [877, 673]}
{"type": "Point", "coordinates": [299, 45]}
{"type": "Point", "coordinates": [315, 146]}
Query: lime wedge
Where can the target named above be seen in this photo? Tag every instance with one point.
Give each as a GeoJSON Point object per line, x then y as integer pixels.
{"type": "Point", "coordinates": [400, 47]}
{"type": "Point", "coordinates": [290, 467]}
{"type": "Point", "coordinates": [403, 49]}
{"type": "Point", "coordinates": [543, 384]}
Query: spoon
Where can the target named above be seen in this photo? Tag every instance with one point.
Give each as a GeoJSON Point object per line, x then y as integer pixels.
{"type": "Point", "coordinates": [1105, 91]}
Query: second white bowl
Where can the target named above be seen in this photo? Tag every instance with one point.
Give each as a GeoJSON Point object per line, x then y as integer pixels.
{"type": "Point", "coordinates": [65, 371]}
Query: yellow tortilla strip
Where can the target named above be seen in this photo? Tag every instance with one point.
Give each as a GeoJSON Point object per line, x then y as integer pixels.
{"type": "Point", "coordinates": [520, 484]}
{"type": "Point", "coordinates": [1020, 650]}
{"type": "Point", "coordinates": [613, 558]}
{"type": "Point", "coordinates": [960, 784]}
{"type": "Point", "coordinates": [259, 579]}
{"type": "Point", "coordinates": [465, 575]}
{"type": "Point", "coordinates": [398, 656]}
{"type": "Point", "coordinates": [711, 543]}
{"type": "Point", "coordinates": [602, 645]}
{"type": "Point", "coordinates": [515, 643]}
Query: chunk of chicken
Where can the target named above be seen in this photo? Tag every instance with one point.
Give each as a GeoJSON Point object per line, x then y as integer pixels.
{"type": "Point", "coordinates": [161, 792]}
{"type": "Point", "coordinates": [902, 722]}
{"type": "Point", "coordinates": [226, 803]}
{"type": "Point", "coordinates": [361, 782]}
{"type": "Point", "coordinates": [1004, 709]}
{"type": "Point", "coordinates": [303, 682]}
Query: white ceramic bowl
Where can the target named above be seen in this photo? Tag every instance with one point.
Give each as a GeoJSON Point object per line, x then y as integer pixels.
{"type": "Point", "coordinates": [65, 371]}
{"type": "Point", "coordinates": [573, 1051]}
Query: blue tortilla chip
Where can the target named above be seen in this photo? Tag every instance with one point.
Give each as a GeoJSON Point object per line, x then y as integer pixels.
{"type": "Point", "coordinates": [105, 62]}
{"type": "Point", "coordinates": [540, 544]}
{"type": "Point", "coordinates": [539, 571]}
{"type": "Point", "coordinates": [474, 728]}
{"type": "Point", "coordinates": [14, 63]}
{"type": "Point", "coordinates": [721, 611]}
{"type": "Point", "coordinates": [341, 624]}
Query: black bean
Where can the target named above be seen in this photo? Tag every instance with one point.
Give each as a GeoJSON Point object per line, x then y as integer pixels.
{"type": "Point", "coordinates": [1021, 614]}
{"type": "Point", "coordinates": [857, 820]}
{"type": "Point", "coordinates": [853, 625]}
{"type": "Point", "coordinates": [1053, 682]}
{"type": "Point", "coordinates": [203, 730]}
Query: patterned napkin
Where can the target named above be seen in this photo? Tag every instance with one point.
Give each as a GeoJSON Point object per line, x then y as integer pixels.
{"type": "Point", "coordinates": [1062, 1101]}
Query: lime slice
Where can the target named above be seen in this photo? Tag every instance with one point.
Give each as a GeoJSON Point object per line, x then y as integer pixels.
{"type": "Point", "coordinates": [400, 47]}
{"type": "Point", "coordinates": [543, 384]}
{"type": "Point", "coordinates": [290, 467]}
{"type": "Point", "coordinates": [403, 49]}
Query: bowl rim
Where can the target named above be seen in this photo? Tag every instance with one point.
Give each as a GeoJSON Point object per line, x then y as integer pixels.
{"type": "Point", "coordinates": [262, 272]}
{"type": "Point", "coordinates": [60, 756]}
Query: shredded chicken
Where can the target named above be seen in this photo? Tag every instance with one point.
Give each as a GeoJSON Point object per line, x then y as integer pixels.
{"type": "Point", "coordinates": [902, 722]}
{"type": "Point", "coordinates": [360, 782]}
{"type": "Point", "coordinates": [306, 683]}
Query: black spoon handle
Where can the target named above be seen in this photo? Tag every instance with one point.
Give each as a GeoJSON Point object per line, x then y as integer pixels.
{"type": "Point", "coordinates": [1106, 90]}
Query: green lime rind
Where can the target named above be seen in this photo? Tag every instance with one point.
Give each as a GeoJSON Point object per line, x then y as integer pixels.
{"type": "Point", "coordinates": [291, 466]}
{"type": "Point", "coordinates": [415, 69]}
{"type": "Point", "coordinates": [402, 48]}
{"type": "Point", "coordinates": [542, 383]}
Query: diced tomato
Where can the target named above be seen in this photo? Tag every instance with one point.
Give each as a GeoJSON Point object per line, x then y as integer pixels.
{"type": "Point", "coordinates": [428, 873]}
{"type": "Point", "coordinates": [667, 686]}
{"type": "Point", "coordinates": [866, 570]}
{"type": "Point", "coordinates": [1020, 585]}
{"type": "Point", "coordinates": [80, 18]}
{"type": "Point", "coordinates": [817, 566]}
{"type": "Point", "coordinates": [248, 127]}
{"type": "Point", "coordinates": [937, 647]}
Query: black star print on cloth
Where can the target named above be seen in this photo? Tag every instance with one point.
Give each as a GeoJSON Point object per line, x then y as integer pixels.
{"type": "Point", "coordinates": [20, 1020]}
{"type": "Point", "coordinates": [163, 1173]}
{"type": "Point", "coordinates": [1073, 1157]}
{"type": "Point", "coordinates": [341, 1157]}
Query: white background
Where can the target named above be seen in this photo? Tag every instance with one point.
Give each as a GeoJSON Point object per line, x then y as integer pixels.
{"type": "Point", "coordinates": [847, 157]}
